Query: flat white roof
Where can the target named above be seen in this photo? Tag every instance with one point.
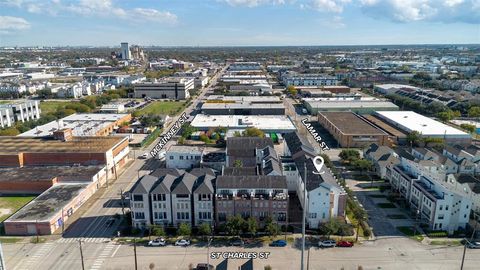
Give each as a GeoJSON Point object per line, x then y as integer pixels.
{"type": "Point", "coordinates": [394, 85]}
{"type": "Point", "coordinates": [411, 121]}
{"type": "Point", "coordinates": [262, 122]}
{"type": "Point", "coordinates": [82, 124]}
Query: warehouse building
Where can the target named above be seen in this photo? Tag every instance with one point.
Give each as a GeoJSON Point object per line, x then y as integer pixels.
{"type": "Point", "coordinates": [266, 123]}
{"type": "Point", "coordinates": [352, 130]}
{"type": "Point", "coordinates": [409, 121]}
{"type": "Point", "coordinates": [172, 88]}
{"type": "Point", "coordinates": [243, 105]}
{"type": "Point", "coordinates": [348, 104]}
{"type": "Point", "coordinates": [82, 124]}
{"type": "Point", "coordinates": [64, 169]}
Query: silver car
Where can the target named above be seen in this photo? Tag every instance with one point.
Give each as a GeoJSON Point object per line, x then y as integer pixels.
{"type": "Point", "coordinates": [327, 243]}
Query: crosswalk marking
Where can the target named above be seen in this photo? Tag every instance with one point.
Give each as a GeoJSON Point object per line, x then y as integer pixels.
{"type": "Point", "coordinates": [87, 240]}
{"type": "Point", "coordinates": [97, 264]}
{"type": "Point", "coordinates": [31, 261]}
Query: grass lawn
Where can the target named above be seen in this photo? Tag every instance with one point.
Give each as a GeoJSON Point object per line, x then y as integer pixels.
{"type": "Point", "coordinates": [10, 240]}
{"type": "Point", "coordinates": [386, 205]}
{"type": "Point", "coordinates": [408, 231]}
{"type": "Point", "coordinates": [10, 205]}
{"type": "Point", "coordinates": [445, 243]}
{"type": "Point", "coordinates": [51, 106]}
{"type": "Point", "coordinates": [396, 216]}
{"type": "Point", "coordinates": [4, 101]}
{"type": "Point", "coordinates": [162, 107]}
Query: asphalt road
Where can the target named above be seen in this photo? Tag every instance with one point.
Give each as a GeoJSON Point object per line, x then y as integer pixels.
{"type": "Point", "coordinates": [91, 228]}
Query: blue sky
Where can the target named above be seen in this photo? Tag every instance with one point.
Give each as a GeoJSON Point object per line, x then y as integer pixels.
{"type": "Point", "coordinates": [238, 22]}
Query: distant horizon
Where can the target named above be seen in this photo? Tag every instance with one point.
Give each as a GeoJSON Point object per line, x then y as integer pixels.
{"type": "Point", "coordinates": [227, 23]}
{"type": "Point", "coordinates": [243, 46]}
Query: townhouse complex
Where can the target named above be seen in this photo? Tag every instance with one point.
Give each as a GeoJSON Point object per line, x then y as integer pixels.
{"type": "Point", "coordinates": [441, 187]}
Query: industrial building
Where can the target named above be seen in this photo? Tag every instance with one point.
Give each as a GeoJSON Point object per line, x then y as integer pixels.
{"type": "Point", "coordinates": [309, 91]}
{"type": "Point", "coordinates": [82, 124]}
{"type": "Point", "coordinates": [352, 130]}
{"type": "Point", "coordinates": [360, 105]}
{"type": "Point", "coordinates": [65, 170]}
{"type": "Point", "coordinates": [239, 105]}
{"type": "Point", "coordinates": [266, 123]}
{"type": "Point", "coordinates": [172, 88]}
{"type": "Point", "coordinates": [18, 112]}
{"type": "Point", "coordinates": [308, 79]}
{"type": "Point", "coordinates": [409, 121]}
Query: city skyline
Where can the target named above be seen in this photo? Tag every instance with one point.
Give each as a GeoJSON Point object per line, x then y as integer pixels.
{"type": "Point", "coordinates": [238, 22]}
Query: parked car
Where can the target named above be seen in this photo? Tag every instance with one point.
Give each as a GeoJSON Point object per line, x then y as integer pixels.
{"type": "Point", "coordinates": [182, 242]}
{"type": "Point", "coordinates": [159, 242]}
{"type": "Point", "coordinates": [327, 243]}
{"type": "Point", "coordinates": [278, 243]}
{"type": "Point", "coordinates": [473, 245]}
{"type": "Point", "coordinates": [161, 155]}
{"type": "Point", "coordinates": [344, 244]}
{"type": "Point", "coordinates": [204, 266]}
{"type": "Point", "coordinates": [143, 156]}
{"type": "Point", "coordinates": [236, 241]}
{"type": "Point", "coordinates": [110, 222]}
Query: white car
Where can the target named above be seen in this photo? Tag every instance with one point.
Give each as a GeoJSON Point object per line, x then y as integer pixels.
{"type": "Point", "coordinates": [159, 242]}
{"type": "Point", "coordinates": [327, 243]}
{"type": "Point", "coordinates": [182, 243]}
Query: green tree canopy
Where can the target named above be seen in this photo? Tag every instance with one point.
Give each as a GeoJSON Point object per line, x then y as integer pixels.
{"type": "Point", "coordinates": [184, 229]}
{"type": "Point", "coordinates": [234, 225]}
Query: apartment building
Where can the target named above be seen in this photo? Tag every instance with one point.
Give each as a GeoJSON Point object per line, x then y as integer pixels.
{"type": "Point", "coordinates": [467, 185]}
{"type": "Point", "coordinates": [325, 197]}
{"type": "Point", "coordinates": [433, 202]}
{"type": "Point", "coordinates": [172, 88]}
{"type": "Point", "coordinates": [183, 157]}
{"type": "Point", "coordinates": [19, 112]}
{"type": "Point", "coordinates": [169, 197]}
{"type": "Point", "coordinates": [258, 196]}
{"type": "Point", "coordinates": [308, 79]}
{"type": "Point", "coordinates": [381, 158]}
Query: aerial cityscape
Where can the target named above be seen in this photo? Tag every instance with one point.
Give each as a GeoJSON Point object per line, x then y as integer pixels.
{"type": "Point", "coordinates": [239, 134]}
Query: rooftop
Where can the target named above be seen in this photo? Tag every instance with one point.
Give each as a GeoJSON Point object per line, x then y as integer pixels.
{"type": "Point", "coordinates": [246, 182]}
{"type": "Point", "coordinates": [351, 123]}
{"type": "Point", "coordinates": [63, 173]}
{"type": "Point", "coordinates": [263, 122]}
{"type": "Point", "coordinates": [49, 203]}
{"type": "Point", "coordinates": [410, 121]}
{"type": "Point", "coordinates": [15, 145]}
{"type": "Point", "coordinates": [344, 102]}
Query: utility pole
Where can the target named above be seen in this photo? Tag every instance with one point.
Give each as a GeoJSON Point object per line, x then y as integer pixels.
{"type": "Point", "coordinates": [81, 253]}
{"type": "Point", "coordinates": [135, 252]}
{"type": "Point", "coordinates": [471, 239]}
{"type": "Point", "coordinates": [304, 212]}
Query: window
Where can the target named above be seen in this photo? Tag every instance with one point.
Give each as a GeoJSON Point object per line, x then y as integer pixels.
{"type": "Point", "coordinates": [446, 208]}
{"type": "Point", "coordinates": [181, 157]}
{"type": "Point", "coordinates": [197, 157]}
{"type": "Point", "coordinates": [171, 157]}
{"type": "Point", "coordinates": [312, 215]}
{"type": "Point", "coordinates": [138, 198]}
{"type": "Point", "coordinates": [139, 215]}
{"type": "Point", "coordinates": [441, 207]}
{"type": "Point", "coordinates": [182, 195]}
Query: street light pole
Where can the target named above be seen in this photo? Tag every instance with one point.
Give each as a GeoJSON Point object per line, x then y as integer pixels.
{"type": "Point", "coordinates": [81, 253]}
{"type": "Point", "coordinates": [471, 239]}
{"type": "Point", "coordinates": [135, 252]}
{"type": "Point", "coordinates": [304, 212]}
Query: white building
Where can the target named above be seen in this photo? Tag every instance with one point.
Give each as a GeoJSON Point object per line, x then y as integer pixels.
{"type": "Point", "coordinates": [19, 112]}
{"type": "Point", "coordinates": [308, 79]}
{"type": "Point", "coordinates": [172, 88]}
{"type": "Point", "coordinates": [409, 121]}
{"type": "Point", "coordinates": [125, 51]}
{"type": "Point", "coordinates": [183, 157]}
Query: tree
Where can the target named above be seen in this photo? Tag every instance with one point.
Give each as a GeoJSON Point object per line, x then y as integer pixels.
{"type": "Point", "coordinates": [11, 131]}
{"type": "Point", "coordinates": [157, 231]}
{"type": "Point", "coordinates": [413, 138]}
{"type": "Point", "coordinates": [474, 111]}
{"type": "Point", "coordinates": [251, 226]}
{"type": "Point", "coordinates": [361, 216]}
{"type": "Point", "coordinates": [271, 227]}
{"type": "Point", "coordinates": [253, 132]}
{"type": "Point", "coordinates": [234, 225]}
{"type": "Point", "coordinates": [237, 163]}
{"type": "Point", "coordinates": [184, 229]}
{"type": "Point", "coordinates": [204, 229]}
{"type": "Point", "coordinates": [187, 130]}
{"type": "Point", "coordinates": [468, 127]}
{"type": "Point", "coordinates": [349, 155]}
{"type": "Point", "coordinates": [331, 227]}
{"type": "Point", "coordinates": [363, 164]}
{"type": "Point", "coordinates": [292, 90]}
